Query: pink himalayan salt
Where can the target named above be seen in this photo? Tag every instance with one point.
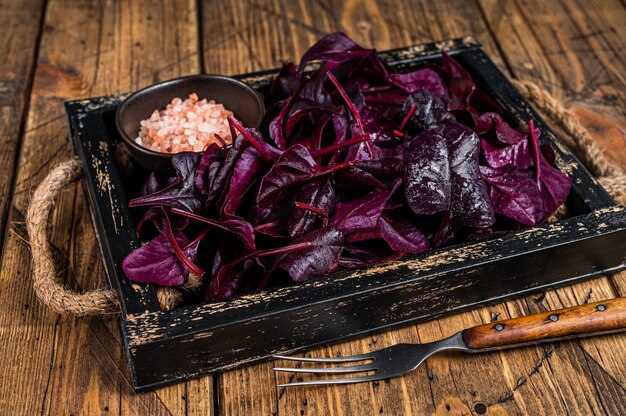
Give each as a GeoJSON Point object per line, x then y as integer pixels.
{"type": "Point", "coordinates": [185, 126]}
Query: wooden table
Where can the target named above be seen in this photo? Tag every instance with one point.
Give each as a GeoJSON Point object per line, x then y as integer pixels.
{"type": "Point", "coordinates": [56, 50]}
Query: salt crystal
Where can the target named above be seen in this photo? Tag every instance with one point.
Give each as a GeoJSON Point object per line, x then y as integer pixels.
{"type": "Point", "coordinates": [185, 125]}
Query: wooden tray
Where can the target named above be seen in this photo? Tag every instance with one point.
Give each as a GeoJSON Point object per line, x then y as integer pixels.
{"type": "Point", "coordinates": [164, 347]}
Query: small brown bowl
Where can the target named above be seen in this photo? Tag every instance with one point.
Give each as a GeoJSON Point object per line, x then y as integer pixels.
{"type": "Point", "coordinates": [236, 96]}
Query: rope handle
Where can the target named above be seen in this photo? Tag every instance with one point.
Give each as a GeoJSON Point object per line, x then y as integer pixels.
{"type": "Point", "coordinates": [46, 283]}
{"type": "Point", "coordinates": [103, 301]}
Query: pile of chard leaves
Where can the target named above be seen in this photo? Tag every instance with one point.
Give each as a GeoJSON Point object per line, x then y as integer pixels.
{"type": "Point", "coordinates": [357, 165]}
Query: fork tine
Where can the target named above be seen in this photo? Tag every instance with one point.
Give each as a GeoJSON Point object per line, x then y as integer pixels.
{"type": "Point", "coordinates": [325, 360]}
{"type": "Point", "coordinates": [373, 377]}
{"type": "Point", "coordinates": [348, 369]}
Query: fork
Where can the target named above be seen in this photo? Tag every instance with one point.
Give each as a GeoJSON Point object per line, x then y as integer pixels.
{"type": "Point", "coordinates": [586, 320]}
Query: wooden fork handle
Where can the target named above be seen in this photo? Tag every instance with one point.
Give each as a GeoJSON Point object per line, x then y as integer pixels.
{"type": "Point", "coordinates": [593, 318]}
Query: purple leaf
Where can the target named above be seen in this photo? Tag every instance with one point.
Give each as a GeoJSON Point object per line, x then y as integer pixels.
{"type": "Point", "coordinates": [453, 69]}
{"type": "Point", "coordinates": [181, 193]}
{"type": "Point", "coordinates": [514, 194]}
{"type": "Point", "coordinates": [402, 235]}
{"type": "Point", "coordinates": [461, 91]}
{"type": "Point", "coordinates": [318, 194]}
{"type": "Point", "coordinates": [157, 262]}
{"type": "Point", "coordinates": [470, 205]}
{"type": "Point", "coordinates": [355, 176]}
{"type": "Point", "coordinates": [158, 216]}
{"type": "Point", "coordinates": [422, 80]}
{"type": "Point", "coordinates": [208, 168]}
{"type": "Point", "coordinates": [151, 185]}
{"type": "Point", "coordinates": [226, 169]}
{"type": "Point", "coordinates": [363, 213]}
{"type": "Point", "coordinates": [504, 133]}
{"type": "Point", "coordinates": [371, 172]}
{"type": "Point", "coordinates": [430, 110]}
{"type": "Point", "coordinates": [277, 125]}
{"type": "Point", "coordinates": [499, 155]}
{"type": "Point", "coordinates": [460, 85]}
{"type": "Point", "coordinates": [321, 257]}
{"type": "Point", "coordinates": [234, 278]}
{"type": "Point", "coordinates": [427, 183]}
{"type": "Point", "coordinates": [553, 184]}
{"type": "Point", "coordinates": [235, 226]}
{"type": "Point", "coordinates": [333, 48]}
{"type": "Point", "coordinates": [555, 187]}
{"type": "Point", "coordinates": [245, 174]}
{"type": "Point", "coordinates": [275, 192]}
{"type": "Point", "coordinates": [285, 82]}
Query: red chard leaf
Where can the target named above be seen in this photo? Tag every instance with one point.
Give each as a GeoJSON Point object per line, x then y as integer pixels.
{"type": "Point", "coordinates": [208, 168]}
{"type": "Point", "coordinates": [293, 166]}
{"type": "Point", "coordinates": [182, 192]}
{"type": "Point", "coordinates": [321, 257]}
{"type": "Point", "coordinates": [157, 262]}
{"type": "Point", "coordinates": [401, 235]}
{"type": "Point", "coordinates": [514, 194]}
{"type": "Point", "coordinates": [363, 213]}
{"type": "Point", "coordinates": [318, 194]}
{"type": "Point", "coordinates": [427, 183]}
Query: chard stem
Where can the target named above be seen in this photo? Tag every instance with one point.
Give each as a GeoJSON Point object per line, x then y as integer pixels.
{"type": "Point", "coordinates": [349, 103]}
{"type": "Point", "coordinates": [337, 146]}
{"type": "Point", "coordinates": [216, 224]}
{"type": "Point", "coordinates": [266, 225]}
{"type": "Point", "coordinates": [219, 139]}
{"type": "Point", "coordinates": [249, 137]}
{"type": "Point", "coordinates": [332, 169]}
{"type": "Point", "coordinates": [179, 252]}
{"type": "Point", "coordinates": [282, 250]}
{"type": "Point", "coordinates": [311, 208]}
{"type": "Point", "coordinates": [199, 237]}
{"type": "Point", "coordinates": [407, 117]}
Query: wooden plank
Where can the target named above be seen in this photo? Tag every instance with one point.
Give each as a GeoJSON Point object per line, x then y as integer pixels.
{"type": "Point", "coordinates": [552, 54]}
{"type": "Point", "coordinates": [525, 382]}
{"type": "Point", "coordinates": [60, 365]}
{"type": "Point", "coordinates": [576, 377]}
{"type": "Point", "coordinates": [16, 70]}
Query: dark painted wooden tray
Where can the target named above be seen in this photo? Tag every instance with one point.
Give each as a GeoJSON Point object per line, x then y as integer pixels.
{"type": "Point", "coordinates": [164, 347]}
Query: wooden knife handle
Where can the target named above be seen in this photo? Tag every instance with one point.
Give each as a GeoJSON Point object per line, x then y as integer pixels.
{"type": "Point", "coordinates": [606, 316]}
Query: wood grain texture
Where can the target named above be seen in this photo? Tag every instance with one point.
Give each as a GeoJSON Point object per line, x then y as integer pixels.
{"type": "Point", "coordinates": [60, 365]}
{"type": "Point", "coordinates": [57, 365]}
{"type": "Point", "coordinates": [16, 71]}
{"type": "Point", "coordinates": [604, 316]}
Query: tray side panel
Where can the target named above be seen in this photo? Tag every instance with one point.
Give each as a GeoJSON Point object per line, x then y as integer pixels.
{"type": "Point", "coordinates": [233, 344]}
{"type": "Point", "coordinates": [114, 227]}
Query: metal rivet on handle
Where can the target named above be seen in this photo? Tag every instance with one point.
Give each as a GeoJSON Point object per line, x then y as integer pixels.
{"type": "Point", "coordinates": [554, 317]}
{"type": "Point", "coordinates": [499, 327]}
{"type": "Point", "coordinates": [601, 308]}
